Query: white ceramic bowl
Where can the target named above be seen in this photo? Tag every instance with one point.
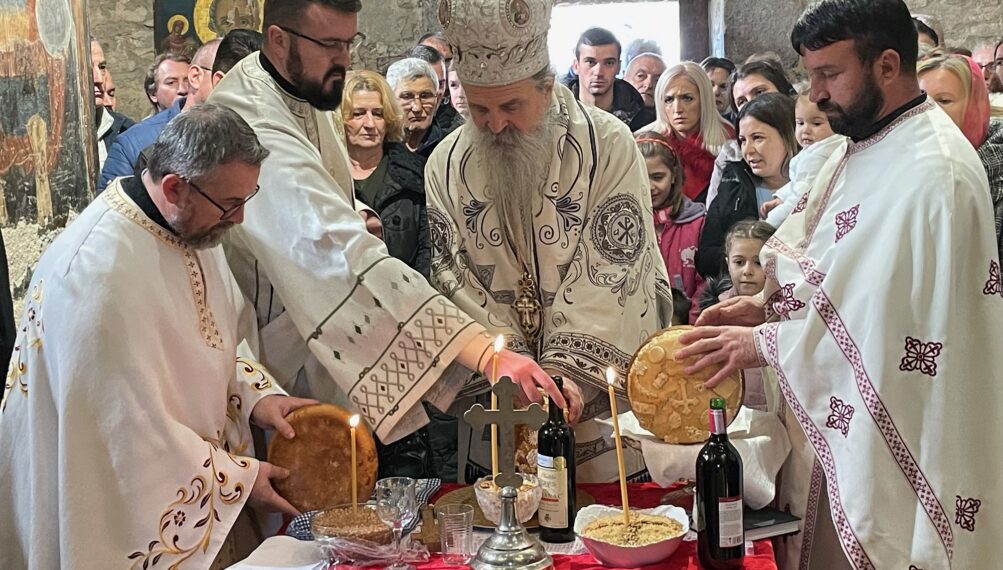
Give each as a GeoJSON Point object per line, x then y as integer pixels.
{"type": "Point", "coordinates": [526, 503]}
{"type": "Point", "coordinates": [630, 556]}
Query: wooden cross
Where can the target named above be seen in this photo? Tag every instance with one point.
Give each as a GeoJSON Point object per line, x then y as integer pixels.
{"type": "Point", "coordinates": [506, 417]}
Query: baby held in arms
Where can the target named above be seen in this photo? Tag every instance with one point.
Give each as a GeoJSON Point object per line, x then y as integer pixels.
{"type": "Point", "coordinates": [818, 142]}
{"type": "Point", "coordinates": [746, 278]}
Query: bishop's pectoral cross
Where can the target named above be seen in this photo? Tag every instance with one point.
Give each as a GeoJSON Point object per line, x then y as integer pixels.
{"type": "Point", "coordinates": [506, 417]}
{"type": "Point", "coordinates": [528, 308]}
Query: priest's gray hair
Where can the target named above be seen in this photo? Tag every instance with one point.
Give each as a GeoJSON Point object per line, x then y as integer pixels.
{"type": "Point", "coordinates": [200, 139]}
{"type": "Point", "coordinates": [410, 69]}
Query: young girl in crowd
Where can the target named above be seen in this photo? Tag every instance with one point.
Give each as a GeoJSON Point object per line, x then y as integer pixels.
{"type": "Point", "coordinates": [818, 142]}
{"type": "Point", "coordinates": [678, 220]}
{"type": "Point", "coordinates": [766, 137]}
{"type": "Point", "coordinates": [745, 278]}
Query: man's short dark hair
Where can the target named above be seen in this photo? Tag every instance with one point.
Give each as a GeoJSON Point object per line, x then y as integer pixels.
{"type": "Point", "coordinates": [873, 25]}
{"type": "Point", "coordinates": [437, 35]}
{"type": "Point", "coordinates": [236, 45]}
{"type": "Point", "coordinates": [287, 12]}
{"type": "Point", "coordinates": [597, 37]}
{"type": "Point", "coordinates": [150, 82]}
{"type": "Point", "coordinates": [718, 63]}
{"type": "Point", "coordinates": [922, 28]}
{"type": "Point", "coordinates": [425, 53]}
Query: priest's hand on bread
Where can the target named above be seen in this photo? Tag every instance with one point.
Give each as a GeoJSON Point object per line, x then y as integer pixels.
{"type": "Point", "coordinates": [738, 311]}
{"type": "Point", "coordinates": [270, 413]}
{"type": "Point", "coordinates": [732, 347]}
{"type": "Point", "coordinates": [263, 495]}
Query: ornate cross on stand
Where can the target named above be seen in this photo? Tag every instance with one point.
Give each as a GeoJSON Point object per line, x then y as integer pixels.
{"type": "Point", "coordinates": [510, 546]}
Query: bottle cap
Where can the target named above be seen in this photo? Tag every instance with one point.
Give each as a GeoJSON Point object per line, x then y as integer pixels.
{"type": "Point", "coordinates": [718, 404]}
{"type": "Point", "coordinates": [559, 381]}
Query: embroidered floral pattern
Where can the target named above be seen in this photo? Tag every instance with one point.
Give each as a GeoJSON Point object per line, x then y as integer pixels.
{"type": "Point", "coordinates": [965, 511]}
{"type": "Point", "coordinates": [204, 495]}
{"type": "Point", "coordinates": [801, 205]}
{"type": "Point", "coordinates": [841, 415]}
{"type": "Point", "coordinates": [994, 286]}
{"type": "Point", "coordinates": [30, 336]}
{"type": "Point", "coordinates": [783, 302]}
{"type": "Point", "coordinates": [257, 377]}
{"type": "Point", "coordinates": [920, 356]}
{"type": "Point", "coordinates": [846, 221]}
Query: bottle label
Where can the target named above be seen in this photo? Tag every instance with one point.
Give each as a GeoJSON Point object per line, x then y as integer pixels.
{"type": "Point", "coordinates": [730, 523]}
{"type": "Point", "coordinates": [553, 475]}
{"type": "Point", "coordinates": [717, 423]}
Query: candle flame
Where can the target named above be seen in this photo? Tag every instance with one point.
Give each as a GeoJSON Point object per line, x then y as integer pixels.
{"type": "Point", "coordinates": [354, 421]}
{"type": "Point", "coordinates": [499, 343]}
{"type": "Point", "coordinates": [611, 376]}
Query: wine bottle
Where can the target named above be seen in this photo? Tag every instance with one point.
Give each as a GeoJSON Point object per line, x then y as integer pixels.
{"type": "Point", "coordinates": [555, 467]}
{"type": "Point", "coordinates": [720, 534]}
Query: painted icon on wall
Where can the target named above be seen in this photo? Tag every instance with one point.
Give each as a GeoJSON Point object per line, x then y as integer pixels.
{"type": "Point", "coordinates": [181, 26]}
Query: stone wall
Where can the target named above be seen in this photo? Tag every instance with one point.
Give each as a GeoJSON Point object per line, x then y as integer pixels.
{"type": "Point", "coordinates": [125, 30]}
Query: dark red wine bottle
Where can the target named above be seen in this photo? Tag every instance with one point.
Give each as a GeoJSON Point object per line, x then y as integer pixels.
{"type": "Point", "coordinates": [720, 533]}
{"type": "Point", "coordinates": [555, 466]}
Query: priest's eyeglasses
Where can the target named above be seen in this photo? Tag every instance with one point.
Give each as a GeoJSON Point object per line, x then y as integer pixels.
{"type": "Point", "coordinates": [348, 45]}
{"type": "Point", "coordinates": [227, 212]}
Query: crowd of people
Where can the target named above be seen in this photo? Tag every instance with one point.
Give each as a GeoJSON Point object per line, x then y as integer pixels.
{"type": "Point", "coordinates": [378, 229]}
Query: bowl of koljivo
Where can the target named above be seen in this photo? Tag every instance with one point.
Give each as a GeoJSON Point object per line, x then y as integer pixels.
{"type": "Point", "coordinates": [650, 536]}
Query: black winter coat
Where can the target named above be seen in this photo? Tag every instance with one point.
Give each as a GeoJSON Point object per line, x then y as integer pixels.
{"type": "Point", "coordinates": [400, 202]}
{"type": "Point", "coordinates": [735, 201]}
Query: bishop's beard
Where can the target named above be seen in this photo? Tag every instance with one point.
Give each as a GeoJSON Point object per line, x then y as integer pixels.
{"type": "Point", "coordinates": [516, 166]}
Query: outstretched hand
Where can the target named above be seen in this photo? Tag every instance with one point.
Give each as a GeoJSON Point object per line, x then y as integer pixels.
{"type": "Point", "coordinates": [263, 496]}
{"type": "Point", "coordinates": [270, 412]}
{"type": "Point", "coordinates": [738, 311]}
{"type": "Point", "coordinates": [732, 347]}
{"type": "Point", "coordinates": [528, 375]}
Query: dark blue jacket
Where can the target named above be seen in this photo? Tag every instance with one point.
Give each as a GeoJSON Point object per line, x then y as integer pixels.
{"type": "Point", "coordinates": [125, 150]}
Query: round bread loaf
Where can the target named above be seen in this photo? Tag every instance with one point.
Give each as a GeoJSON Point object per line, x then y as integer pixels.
{"type": "Point", "coordinates": [319, 459]}
{"type": "Point", "coordinates": [669, 403]}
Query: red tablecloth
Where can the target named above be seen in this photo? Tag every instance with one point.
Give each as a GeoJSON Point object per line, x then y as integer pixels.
{"type": "Point", "coordinates": [641, 495]}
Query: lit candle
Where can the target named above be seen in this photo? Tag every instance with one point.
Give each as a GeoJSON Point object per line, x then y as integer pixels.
{"type": "Point", "coordinates": [353, 422]}
{"type": "Point", "coordinates": [499, 345]}
{"type": "Point", "coordinates": [611, 380]}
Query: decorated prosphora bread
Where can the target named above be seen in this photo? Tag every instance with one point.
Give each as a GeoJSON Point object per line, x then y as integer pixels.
{"type": "Point", "coordinates": [669, 403]}
{"type": "Point", "coordinates": [319, 459]}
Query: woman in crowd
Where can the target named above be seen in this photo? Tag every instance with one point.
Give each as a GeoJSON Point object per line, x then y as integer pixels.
{"type": "Point", "coordinates": [457, 95]}
{"type": "Point", "coordinates": [678, 220]}
{"type": "Point", "coordinates": [955, 83]}
{"type": "Point", "coordinates": [689, 120]}
{"type": "Point", "coordinates": [766, 137]}
{"type": "Point", "coordinates": [388, 177]}
{"type": "Point", "coordinates": [416, 86]}
{"type": "Point", "coordinates": [757, 77]}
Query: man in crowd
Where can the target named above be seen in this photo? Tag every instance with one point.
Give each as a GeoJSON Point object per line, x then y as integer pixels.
{"type": "Point", "coordinates": [128, 403]}
{"type": "Point", "coordinates": [886, 380]}
{"type": "Point", "coordinates": [597, 62]}
{"type": "Point", "coordinates": [340, 319]}
{"type": "Point", "coordinates": [719, 71]}
{"type": "Point", "coordinates": [124, 154]}
{"type": "Point", "coordinates": [643, 73]}
{"type": "Point", "coordinates": [438, 42]}
{"type": "Point", "coordinates": [109, 123]}
{"type": "Point", "coordinates": [236, 45]}
{"type": "Point", "coordinates": [414, 83]}
{"type": "Point", "coordinates": [446, 117]}
{"type": "Point", "coordinates": [540, 218]}
{"type": "Point", "coordinates": [166, 80]}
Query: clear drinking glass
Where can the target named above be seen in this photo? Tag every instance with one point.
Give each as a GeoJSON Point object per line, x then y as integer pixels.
{"type": "Point", "coordinates": [456, 530]}
{"type": "Point", "coordinates": [397, 506]}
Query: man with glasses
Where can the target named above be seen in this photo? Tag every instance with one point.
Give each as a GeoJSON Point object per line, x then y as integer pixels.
{"type": "Point", "coordinates": [984, 55]}
{"type": "Point", "coordinates": [129, 408]}
{"type": "Point", "coordinates": [339, 318]}
{"type": "Point", "coordinates": [446, 116]}
{"type": "Point", "coordinates": [124, 154]}
{"type": "Point", "coordinates": [415, 83]}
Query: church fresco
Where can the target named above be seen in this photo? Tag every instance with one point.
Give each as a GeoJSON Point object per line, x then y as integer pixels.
{"type": "Point", "coordinates": [47, 147]}
{"type": "Point", "coordinates": [181, 26]}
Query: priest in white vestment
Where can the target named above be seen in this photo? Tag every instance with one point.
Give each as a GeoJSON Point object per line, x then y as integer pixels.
{"type": "Point", "coordinates": [541, 218]}
{"type": "Point", "coordinates": [335, 309]}
{"type": "Point", "coordinates": [124, 437]}
{"type": "Point", "coordinates": [884, 308]}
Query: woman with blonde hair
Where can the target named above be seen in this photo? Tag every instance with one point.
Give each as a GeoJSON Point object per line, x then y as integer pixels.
{"type": "Point", "coordinates": [955, 83]}
{"type": "Point", "coordinates": [388, 177]}
{"type": "Point", "coordinates": [688, 118]}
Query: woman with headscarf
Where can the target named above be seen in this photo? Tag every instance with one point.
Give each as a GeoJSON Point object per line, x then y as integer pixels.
{"type": "Point", "coordinates": [954, 82]}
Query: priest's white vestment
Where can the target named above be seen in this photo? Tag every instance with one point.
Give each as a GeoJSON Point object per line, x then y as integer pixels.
{"type": "Point", "coordinates": [600, 281]}
{"type": "Point", "coordinates": [371, 331]}
{"type": "Point", "coordinates": [124, 429]}
{"type": "Point", "coordinates": [886, 310]}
